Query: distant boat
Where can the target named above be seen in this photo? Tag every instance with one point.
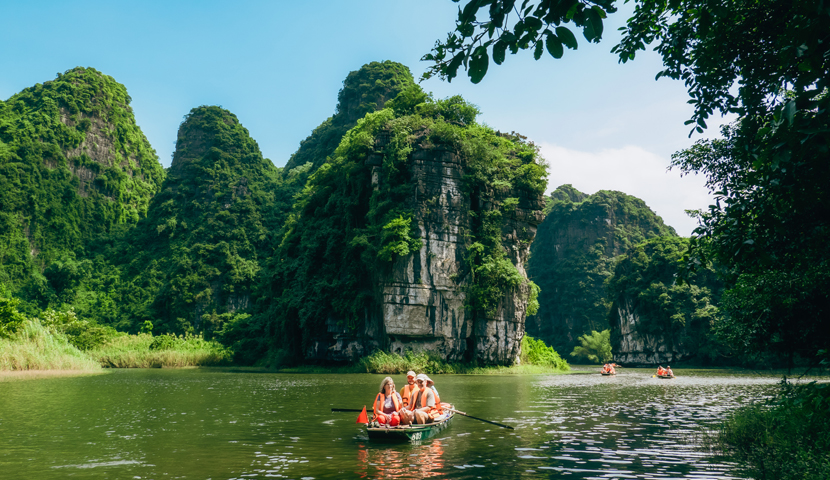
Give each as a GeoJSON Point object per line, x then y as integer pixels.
{"type": "Point", "coordinates": [606, 374]}
{"type": "Point", "coordinates": [664, 376]}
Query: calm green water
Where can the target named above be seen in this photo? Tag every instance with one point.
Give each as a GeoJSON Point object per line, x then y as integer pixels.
{"type": "Point", "coordinates": [200, 424]}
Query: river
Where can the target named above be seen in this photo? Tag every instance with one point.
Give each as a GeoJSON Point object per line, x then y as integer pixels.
{"type": "Point", "coordinates": [220, 424]}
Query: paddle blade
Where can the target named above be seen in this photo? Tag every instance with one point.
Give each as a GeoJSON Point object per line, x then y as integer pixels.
{"type": "Point", "coordinates": [363, 417]}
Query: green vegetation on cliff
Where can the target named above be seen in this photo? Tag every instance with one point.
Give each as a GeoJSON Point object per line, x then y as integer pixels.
{"type": "Point", "coordinates": [574, 254]}
{"type": "Point", "coordinates": [364, 91]}
{"type": "Point", "coordinates": [681, 313]}
{"type": "Point", "coordinates": [74, 167]}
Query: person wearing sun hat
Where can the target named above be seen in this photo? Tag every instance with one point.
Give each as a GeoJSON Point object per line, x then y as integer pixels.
{"type": "Point", "coordinates": [424, 403]}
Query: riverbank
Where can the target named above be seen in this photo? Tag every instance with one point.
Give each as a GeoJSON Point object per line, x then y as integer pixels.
{"type": "Point", "coordinates": [536, 358]}
{"type": "Point", "coordinates": [35, 347]}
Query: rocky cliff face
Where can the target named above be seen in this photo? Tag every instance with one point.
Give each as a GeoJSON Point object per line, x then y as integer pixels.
{"type": "Point", "coordinates": [413, 237]}
{"type": "Point", "coordinates": [424, 298]}
{"type": "Point", "coordinates": [573, 256]}
{"type": "Point", "coordinates": [633, 345]}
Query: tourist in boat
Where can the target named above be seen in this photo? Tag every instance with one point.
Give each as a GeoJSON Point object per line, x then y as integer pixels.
{"type": "Point", "coordinates": [388, 404]}
{"type": "Point", "coordinates": [608, 369]}
{"type": "Point", "coordinates": [424, 405]}
{"type": "Point", "coordinates": [669, 372]}
{"type": "Point", "coordinates": [661, 371]}
{"type": "Point", "coordinates": [407, 392]}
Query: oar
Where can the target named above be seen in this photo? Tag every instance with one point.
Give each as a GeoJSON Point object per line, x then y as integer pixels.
{"type": "Point", "coordinates": [358, 410]}
{"type": "Point", "coordinates": [479, 419]}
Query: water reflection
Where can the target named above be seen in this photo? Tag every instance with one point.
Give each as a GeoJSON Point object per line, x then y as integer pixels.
{"type": "Point", "coordinates": [417, 461]}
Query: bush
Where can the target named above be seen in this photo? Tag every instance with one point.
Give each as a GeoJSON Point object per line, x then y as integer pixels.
{"type": "Point", "coordinates": [786, 438]}
{"type": "Point", "coordinates": [535, 352]}
{"type": "Point", "coordinates": [391, 363]}
{"type": "Point", "coordinates": [10, 318]}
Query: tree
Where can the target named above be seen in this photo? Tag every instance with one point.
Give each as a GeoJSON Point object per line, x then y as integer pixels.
{"type": "Point", "coordinates": [759, 46]}
{"type": "Point", "coordinates": [768, 61]}
{"type": "Point", "coordinates": [595, 347]}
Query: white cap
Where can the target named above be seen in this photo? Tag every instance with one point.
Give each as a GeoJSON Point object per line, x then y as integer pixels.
{"type": "Point", "coordinates": [410, 373]}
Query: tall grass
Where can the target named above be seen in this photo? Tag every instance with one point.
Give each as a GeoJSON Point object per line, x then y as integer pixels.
{"type": "Point", "coordinates": [146, 351]}
{"type": "Point", "coordinates": [35, 347]}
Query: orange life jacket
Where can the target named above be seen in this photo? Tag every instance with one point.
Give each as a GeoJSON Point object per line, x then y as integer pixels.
{"type": "Point", "coordinates": [660, 371]}
{"type": "Point", "coordinates": [407, 392]}
{"type": "Point", "coordinates": [382, 398]}
{"type": "Point", "coordinates": [422, 401]}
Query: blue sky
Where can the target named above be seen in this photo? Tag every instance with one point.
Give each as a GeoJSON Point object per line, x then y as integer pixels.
{"type": "Point", "coordinates": [278, 66]}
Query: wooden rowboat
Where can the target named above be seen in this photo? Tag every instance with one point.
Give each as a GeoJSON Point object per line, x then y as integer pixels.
{"type": "Point", "coordinates": [409, 433]}
{"type": "Point", "coordinates": [606, 374]}
{"type": "Point", "coordinates": [665, 376]}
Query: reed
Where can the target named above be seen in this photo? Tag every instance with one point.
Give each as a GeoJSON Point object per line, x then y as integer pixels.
{"type": "Point", "coordinates": [34, 347]}
{"type": "Point", "coordinates": [146, 351]}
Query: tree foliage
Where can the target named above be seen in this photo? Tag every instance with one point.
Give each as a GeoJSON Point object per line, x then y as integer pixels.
{"type": "Point", "coordinates": [539, 26]}
{"type": "Point", "coordinates": [594, 347]}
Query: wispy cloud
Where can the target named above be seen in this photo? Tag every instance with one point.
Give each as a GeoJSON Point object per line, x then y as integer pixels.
{"type": "Point", "coordinates": [632, 170]}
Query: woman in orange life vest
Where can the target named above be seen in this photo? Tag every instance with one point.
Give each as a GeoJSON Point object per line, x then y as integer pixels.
{"type": "Point", "coordinates": [388, 404]}
{"type": "Point", "coordinates": [660, 370]}
{"type": "Point", "coordinates": [409, 388]}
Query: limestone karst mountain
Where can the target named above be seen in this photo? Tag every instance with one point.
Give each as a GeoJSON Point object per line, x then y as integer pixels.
{"type": "Point", "coordinates": [196, 257]}
{"type": "Point", "coordinates": [73, 166]}
{"type": "Point", "coordinates": [414, 236]}
{"type": "Point", "coordinates": [573, 255]}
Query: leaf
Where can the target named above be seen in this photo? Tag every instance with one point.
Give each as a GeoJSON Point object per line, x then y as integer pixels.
{"type": "Point", "coordinates": [533, 23]}
{"type": "Point", "coordinates": [499, 50]}
{"type": "Point", "coordinates": [452, 69]}
{"type": "Point", "coordinates": [478, 64]}
{"type": "Point", "coordinates": [554, 46]}
{"type": "Point", "coordinates": [537, 52]}
{"type": "Point", "coordinates": [567, 37]}
{"type": "Point", "coordinates": [466, 29]}
{"type": "Point", "coordinates": [595, 20]}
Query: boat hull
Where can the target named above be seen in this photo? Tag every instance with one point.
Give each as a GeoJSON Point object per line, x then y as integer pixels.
{"type": "Point", "coordinates": [408, 433]}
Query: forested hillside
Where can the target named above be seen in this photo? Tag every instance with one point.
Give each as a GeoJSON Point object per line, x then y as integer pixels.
{"type": "Point", "coordinates": [574, 254]}
{"type": "Point", "coordinates": [74, 169]}
{"type": "Point", "coordinates": [196, 257]}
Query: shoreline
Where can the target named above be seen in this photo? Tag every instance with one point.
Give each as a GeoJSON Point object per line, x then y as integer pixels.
{"type": "Point", "coordinates": [15, 375]}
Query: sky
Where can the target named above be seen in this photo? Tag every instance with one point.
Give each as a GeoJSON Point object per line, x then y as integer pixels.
{"type": "Point", "coordinates": [278, 66]}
